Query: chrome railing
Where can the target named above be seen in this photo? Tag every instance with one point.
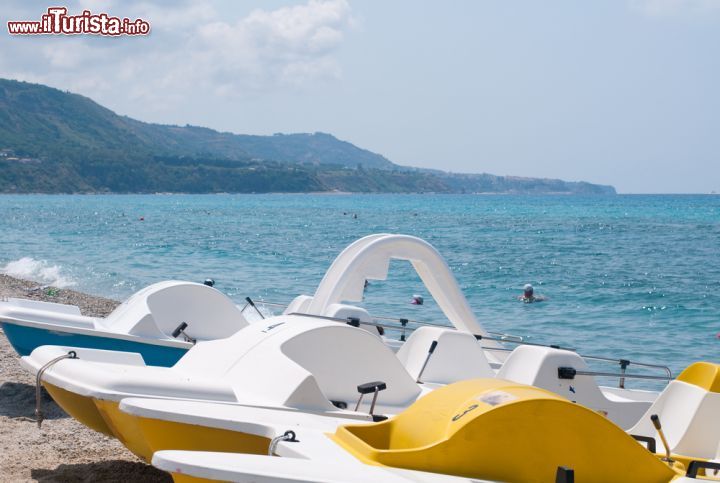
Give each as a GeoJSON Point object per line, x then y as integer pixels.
{"type": "Point", "coordinates": [403, 326]}
{"type": "Point", "coordinates": [404, 322]}
{"type": "Point", "coordinates": [571, 372]}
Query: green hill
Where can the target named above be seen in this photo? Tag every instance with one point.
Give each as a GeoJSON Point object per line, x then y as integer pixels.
{"type": "Point", "coordinates": [54, 141]}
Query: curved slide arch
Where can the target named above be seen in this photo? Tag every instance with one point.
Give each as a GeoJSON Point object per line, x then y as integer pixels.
{"type": "Point", "coordinates": [369, 258]}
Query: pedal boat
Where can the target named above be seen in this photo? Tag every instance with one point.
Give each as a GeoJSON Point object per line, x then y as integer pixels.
{"type": "Point", "coordinates": [324, 344]}
{"type": "Point", "coordinates": [160, 322]}
{"type": "Point", "coordinates": [300, 364]}
{"type": "Point", "coordinates": [474, 430]}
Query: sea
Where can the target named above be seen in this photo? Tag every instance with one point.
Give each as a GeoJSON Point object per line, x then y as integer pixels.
{"type": "Point", "coordinates": [627, 276]}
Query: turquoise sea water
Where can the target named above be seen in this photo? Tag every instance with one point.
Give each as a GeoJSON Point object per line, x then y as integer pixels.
{"type": "Point", "coordinates": [630, 276]}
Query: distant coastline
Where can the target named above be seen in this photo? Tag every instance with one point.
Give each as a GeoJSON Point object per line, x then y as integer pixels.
{"type": "Point", "coordinates": [337, 193]}
{"type": "Point", "coordinates": [57, 142]}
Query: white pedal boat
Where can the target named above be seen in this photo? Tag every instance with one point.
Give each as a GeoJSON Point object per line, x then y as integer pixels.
{"type": "Point", "coordinates": [160, 322]}
{"type": "Point", "coordinates": [328, 348]}
{"type": "Point", "coordinates": [688, 409]}
{"type": "Point", "coordinates": [475, 430]}
{"type": "Point", "coordinates": [302, 363]}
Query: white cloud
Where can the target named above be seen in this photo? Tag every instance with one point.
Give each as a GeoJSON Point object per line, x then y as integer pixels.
{"type": "Point", "coordinates": [662, 8]}
{"type": "Point", "coordinates": [71, 55]}
{"type": "Point", "coordinates": [191, 50]}
{"type": "Point", "coordinates": [173, 17]}
{"type": "Point", "coordinates": [312, 28]}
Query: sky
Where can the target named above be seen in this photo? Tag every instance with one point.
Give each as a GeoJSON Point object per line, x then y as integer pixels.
{"type": "Point", "coordinates": [620, 92]}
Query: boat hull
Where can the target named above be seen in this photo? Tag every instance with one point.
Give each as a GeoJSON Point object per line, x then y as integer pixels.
{"type": "Point", "coordinates": [145, 436]}
{"type": "Point", "coordinates": [82, 408]}
{"type": "Point", "coordinates": [180, 478]}
{"type": "Point", "coordinates": [25, 339]}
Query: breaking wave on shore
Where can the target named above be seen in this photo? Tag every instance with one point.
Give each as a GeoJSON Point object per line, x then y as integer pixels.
{"type": "Point", "coordinates": [40, 271]}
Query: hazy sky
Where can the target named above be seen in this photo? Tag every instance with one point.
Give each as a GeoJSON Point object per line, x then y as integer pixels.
{"type": "Point", "coordinates": [621, 92]}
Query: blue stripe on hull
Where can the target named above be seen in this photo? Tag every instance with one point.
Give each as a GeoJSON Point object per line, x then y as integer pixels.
{"type": "Point", "coordinates": [25, 339]}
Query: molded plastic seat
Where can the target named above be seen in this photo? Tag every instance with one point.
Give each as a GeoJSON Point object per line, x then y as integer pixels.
{"type": "Point", "coordinates": [538, 366]}
{"type": "Point", "coordinates": [158, 309]}
{"type": "Point", "coordinates": [498, 430]}
{"type": "Point", "coordinates": [689, 411]}
{"type": "Point", "coordinates": [351, 357]}
{"type": "Point", "coordinates": [309, 361]}
{"type": "Point", "coordinates": [457, 356]}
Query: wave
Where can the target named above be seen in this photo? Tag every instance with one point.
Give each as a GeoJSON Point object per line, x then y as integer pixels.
{"type": "Point", "coordinates": [39, 271]}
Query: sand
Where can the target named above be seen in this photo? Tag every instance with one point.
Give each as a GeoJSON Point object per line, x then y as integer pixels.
{"type": "Point", "coordinates": [63, 450]}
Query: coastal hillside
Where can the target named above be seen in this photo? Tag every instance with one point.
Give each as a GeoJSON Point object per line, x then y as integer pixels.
{"type": "Point", "coordinates": [41, 121]}
{"type": "Point", "coordinates": [58, 142]}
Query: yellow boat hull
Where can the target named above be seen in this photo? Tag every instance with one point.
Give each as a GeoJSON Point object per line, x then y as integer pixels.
{"type": "Point", "coordinates": [145, 436]}
{"type": "Point", "coordinates": [180, 478]}
{"type": "Point", "coordinates": [81, 408]}
{"type": "Point", "coordinates": [125, 428]}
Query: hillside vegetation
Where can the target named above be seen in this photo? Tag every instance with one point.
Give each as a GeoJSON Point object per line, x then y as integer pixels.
{"type": "Point", "coordinates": [57, 142]}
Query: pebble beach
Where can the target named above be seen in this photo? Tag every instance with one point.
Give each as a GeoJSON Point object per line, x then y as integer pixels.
{"type": "Point", "coordinates": [63, 450]}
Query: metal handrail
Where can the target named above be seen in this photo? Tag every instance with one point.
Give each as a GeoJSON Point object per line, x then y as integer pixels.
{"type": "Point", "coordinates": [345, 321]}
{"type": "Point", "coordinates": [418, 322]}
{"type": "Point", "coordinates": [502, 337]}
{"type": "Point", "coordinates": [400, 328]}
{"type": "Point", "coordinates": [605, 374]}
{"type": "Point", "coordinates": [273, 304]}
{"type": "Point", "coordinates": [623, 375]}
{"type": "Point", "coordinates": [431, 324]}
{"type": "Point", "coordinates": [507, 337]}
{"type": "Point", "coordinates": [627, 362]}
{"type": "Point", "coordinates": [495, 339]}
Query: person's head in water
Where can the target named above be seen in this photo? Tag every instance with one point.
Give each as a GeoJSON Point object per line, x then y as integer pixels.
{"type": "Point", "coordinates": [529, 295]}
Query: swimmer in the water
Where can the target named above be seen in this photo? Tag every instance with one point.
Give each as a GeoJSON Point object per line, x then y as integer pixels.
{"type": "Point", "coordinates": [529, 296]}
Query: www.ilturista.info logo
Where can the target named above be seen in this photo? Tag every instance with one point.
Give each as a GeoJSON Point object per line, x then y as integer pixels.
{"type": "Point", "coordinates": [57, 22]}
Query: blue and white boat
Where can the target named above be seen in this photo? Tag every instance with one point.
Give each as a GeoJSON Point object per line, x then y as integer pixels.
{"type": "Point", "coordinates": [160, 322]}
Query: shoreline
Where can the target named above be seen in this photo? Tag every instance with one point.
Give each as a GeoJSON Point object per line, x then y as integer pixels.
{"type": "Point", "coordinates": [63, 450]}
{"type": "Point", "coordinates": [325, 193]}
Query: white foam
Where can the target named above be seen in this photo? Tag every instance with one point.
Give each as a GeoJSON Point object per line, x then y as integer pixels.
{"type": "Point", "coordinates": [39, 271]}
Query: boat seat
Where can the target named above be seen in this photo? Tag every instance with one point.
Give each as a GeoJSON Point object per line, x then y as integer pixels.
{"type": "Point", "coordinates": [157, 310]}
{"type": "Point", "coordinates": [45, 312]}
{"type": "Point", "coordinates": [457, 356]}
{"type": "Point", "coordinates": [491, 429]}
{"type": "Point", "coordinates": [307, 363]}
{"type": "Point", "coordinates": [538, 366]}
{"type": "Point", "coordinates": [689, 411]}
{"type": "Point", "coordinates": [298, 305]}
{"type": "Point", "coordinates": [347, 312]}
{"type": "Point", "coordinates": [348, 360]}
{"type": "Point", "coordinates": [616, 397]}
